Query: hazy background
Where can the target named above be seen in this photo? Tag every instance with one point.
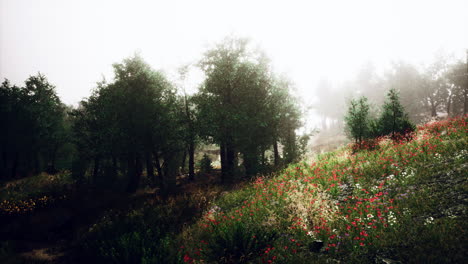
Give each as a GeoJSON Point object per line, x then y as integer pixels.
{"type": "Point", "coordinates": [74, 43]}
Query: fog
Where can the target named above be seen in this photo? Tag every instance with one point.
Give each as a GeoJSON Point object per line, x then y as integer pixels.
{"type": "Point", "coordinates": [74, 43]}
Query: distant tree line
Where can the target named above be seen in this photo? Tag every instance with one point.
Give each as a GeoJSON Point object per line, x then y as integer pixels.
{"type": "Point", "coordinates": [439, 89]}
{"type": "Point", "coordinates": [140, 124]}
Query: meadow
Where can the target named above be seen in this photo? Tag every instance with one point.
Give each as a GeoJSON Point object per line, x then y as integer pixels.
{"type": "Point", "coordinates": [400, 201]}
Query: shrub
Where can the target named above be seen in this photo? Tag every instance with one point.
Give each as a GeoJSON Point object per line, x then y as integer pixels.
{"type": "Point", "coordinates": [205, 164]}
{"type": "Point", "coordinates": [238, 242]}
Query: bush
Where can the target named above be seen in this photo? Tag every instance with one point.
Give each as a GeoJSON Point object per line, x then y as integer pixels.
{"type": "Point", "coordinates": [205, 164]}
{"type": "Point", "coordinates": [238, 242]}
{"type": "Point", "coordinates": [142, 235]}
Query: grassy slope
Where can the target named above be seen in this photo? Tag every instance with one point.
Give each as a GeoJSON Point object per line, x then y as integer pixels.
{"type": "Point", "coordinates": [403, 201]}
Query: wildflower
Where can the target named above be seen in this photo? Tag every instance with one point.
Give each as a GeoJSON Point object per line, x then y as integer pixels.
{"type": "Point", "coordinates": [429, 220]}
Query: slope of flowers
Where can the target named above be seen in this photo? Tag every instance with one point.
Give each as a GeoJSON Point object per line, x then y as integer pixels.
{"type": "Point", "coordinates": [26, 195]}
{"type": "Point", "coordinates": [343, 206]}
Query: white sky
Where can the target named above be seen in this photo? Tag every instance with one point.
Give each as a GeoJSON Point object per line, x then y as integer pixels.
{"type": "Point", "coordinates": [74, 43]}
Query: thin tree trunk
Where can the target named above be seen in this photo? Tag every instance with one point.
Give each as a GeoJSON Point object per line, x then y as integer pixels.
{"type": "Point", "coordinates": [51, 166]}
{"type": "Point", "coordinates": [134, 172]}
{"type": "Point", "coordinates": [433, 110]}
{"type": "Point", "coordinates": [465, 103]}
{"type": "Point", "coordinates": [449, 105]}
{"type": "Point", "coordinates": [149, 167]}
{"type": "Point", "coordinates": [222, 154]}
{"type": "Point", "coordinates": [184, 158]}
{"type": "Point", "coordinates": [131, 172]}
{"type": "Point", "coordinates": [191, 143]}
{"type": "Point", "coordinates": [96, 168]}
{"type": "Point", "coordinates": [263, 158]}
{"type": "Point", "coordinates": [36, 163]}
{"type": "Point", "coordinates": [139, 170]}
{"type": "Point", "coordinates": [230, 158]}
{"type": "Point", "coordinates": [276, 153]}
{"type": "Point", "coordinates": [170, 173]}
{"type": "Point", "coordinates": [191, 164]}
{"type": "Point", "coordinates": [158, 168]}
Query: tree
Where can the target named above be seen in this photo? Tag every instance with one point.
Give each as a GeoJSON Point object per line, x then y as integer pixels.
{"type": "Point", "coordinates": [34, 119]}
{"type": "Point", "coordinates": [286, 116]}
{"type": "Point", "coordinates": [238, 106]}
{"type": "Point", "coordinates": [435, 86]}
{"type": "Point", "coordinates": [408, 80]}
{"type": "Point", "coordinates": [190, 133]}
{"type": "Point", "coordinates": [393, 119]}
{"type": "Point", "coordinates": [134, 121]}
{"type": "Point", "coordinates": [457, 76]}
{"type": "Point", "coordinates": [357, 120]}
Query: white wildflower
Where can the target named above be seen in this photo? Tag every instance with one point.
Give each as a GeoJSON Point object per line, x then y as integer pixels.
{"type": "Point", "coordinates": [391, 218]}
{"type": "Point", "coordinates": [429, 220]}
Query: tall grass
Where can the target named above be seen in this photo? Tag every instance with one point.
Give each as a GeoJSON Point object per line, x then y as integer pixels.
{"type": "Point", "coordinates": [377, 203]}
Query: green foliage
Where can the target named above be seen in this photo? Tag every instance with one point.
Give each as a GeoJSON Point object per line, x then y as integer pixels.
{"type": "Point", "coordinates": [205, 164]}
{"type": "Point", "coordinates": [386, 203]}
{"type": "Point", "coordinates": [35, 127]}
{"type": "Point", "coordinates": [357, 120]}
{"type": "Point", "coordinates": [37, 186]}
{"type": "Point", "coordinates": [393, 119]}
{"type": "Point", "coordinates": [254, 109]}
{"type": "Point", "coordinates": [137, 116]}
{"type": "Point", "coordinates": [238, 243]}
{"type": "Point", "coordinates": [142, 235]}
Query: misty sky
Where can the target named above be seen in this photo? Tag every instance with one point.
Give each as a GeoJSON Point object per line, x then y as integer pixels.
{"type": "Point", "coordinates": [74, 43]}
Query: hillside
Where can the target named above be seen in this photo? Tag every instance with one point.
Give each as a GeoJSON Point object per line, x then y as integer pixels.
{"type": "Point", "coordinates": [395, 202]}
{"type": "Point", "coordinates": [398, 202]}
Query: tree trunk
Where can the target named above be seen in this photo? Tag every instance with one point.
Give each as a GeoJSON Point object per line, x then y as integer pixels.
{"type": "Point", "coordinates": [449, 104]}
{"type": "Point", "coordinates": [191, 159]}
{"type": "Point", "coordinates": [184, 158]}
{"type": "Point", "coordinates": [251, 162]}
{"type": "Point", "coordinates": [150, 168]}
{"type": "Point", "coordinates": [222, 155]}
{"type": "Point", "coordinates": [51, 164]}
{"type": "Point", "coordinates": [230, 159]}
{"type": "Point", "coordinates": [276, 153]}
{"type": "Point", "coordinates": [134, 172]}
{"type": "Point", "coordinates": [465, 103]}
{"type": "Point", "coordinates": [139, 169]}
{"type": "Point", "coordinates": [159, 169]}
{"type": "Point", "coordinates": [170, 173]}
{"type": "Point", "coordinates": [433, 110]}
{"type": "Point", "coordinates": [131, 171]}
{"type": "Point", "coordinates": [36, 163]}
{"type": "Point", "coordinates": [263, 158]}
{"type": "Point", "coordinates": [191, 143]}
{"type": "Point", "coordinates": [96, 168]}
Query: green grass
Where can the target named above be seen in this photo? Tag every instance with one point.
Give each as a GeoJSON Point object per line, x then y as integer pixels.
{"type": "Point", "coordinates": [402, 201]}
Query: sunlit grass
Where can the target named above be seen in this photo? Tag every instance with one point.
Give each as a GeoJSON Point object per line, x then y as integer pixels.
{"type": "Point", "coordinates": [354, 204]}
